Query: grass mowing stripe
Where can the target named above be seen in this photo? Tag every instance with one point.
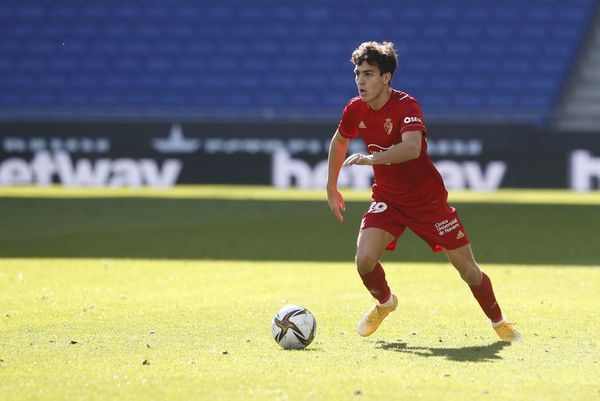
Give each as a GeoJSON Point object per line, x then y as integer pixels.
{"type": "Point", "coordinates": [515, 196]}
{"type": "Point", "coordinates": [277, 230]}
{"type": "Point", "coordinates": [82, 328]}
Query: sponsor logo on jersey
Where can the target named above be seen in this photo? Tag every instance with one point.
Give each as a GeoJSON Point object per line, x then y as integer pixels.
{"type": "Point", "coordinates": [362, 125]}
{"type": "Point", "coordinates": [388, 125]}
{"type": "Point", "coordinates": [408, 120]}
{"type": "Point", "coordinates": [373, 148]}
{"type": "Point", "coordinates": [460, 234]}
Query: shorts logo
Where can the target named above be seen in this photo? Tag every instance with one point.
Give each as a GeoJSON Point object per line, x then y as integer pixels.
{"type": "Point", "coordinates": [460, 234]}
{"type": "Point", "coordinates": [408, 120]}
{"type": "Point", "coordinates": [389, 126]}
{"type": "Point", "coordinates": [445, 226]}
{"type": "Point", "coordinates": [377, 207]}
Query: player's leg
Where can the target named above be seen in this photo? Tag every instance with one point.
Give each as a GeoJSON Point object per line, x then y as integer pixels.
{"type": "Point", "coordinates": [370, 247]}
{"type": "Point", "coordinates": [446, 231]}
{"type": "Point", "coordinates": [463, 260]}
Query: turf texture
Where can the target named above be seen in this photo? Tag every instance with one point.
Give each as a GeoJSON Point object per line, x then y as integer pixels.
{"type": "Point", "coordinates": [98, 329]}
{"type": "Point", "coordinates": [169, 295]}
{"type": "Point", "coordinates": [279, 230]}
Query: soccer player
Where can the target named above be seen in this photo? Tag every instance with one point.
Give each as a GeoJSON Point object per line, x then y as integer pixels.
{"type": "Point", "coordinates": [408, 190]}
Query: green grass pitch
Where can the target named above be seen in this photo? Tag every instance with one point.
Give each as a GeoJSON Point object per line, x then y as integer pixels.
{"type": "Point", "coordinates": [168, 298]}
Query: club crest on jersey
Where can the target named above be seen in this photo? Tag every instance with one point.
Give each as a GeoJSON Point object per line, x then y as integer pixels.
{"type": "Point", "coordinates": [388, 125]}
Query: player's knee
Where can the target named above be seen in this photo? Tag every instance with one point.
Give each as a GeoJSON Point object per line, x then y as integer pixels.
{"type": "Point", "coordinates": [365, 262]}
{"type": "Point", "coordinates": [470, 274]}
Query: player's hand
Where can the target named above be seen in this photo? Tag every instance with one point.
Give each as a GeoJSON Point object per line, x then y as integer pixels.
{"type": "Point", "coordinates": [336, 203]}
{"type": "Point", "coordinates": [357, 158]}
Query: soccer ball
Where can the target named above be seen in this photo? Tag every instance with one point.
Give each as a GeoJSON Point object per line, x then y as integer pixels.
{"type": "Point", "coordinates": [294, 327]}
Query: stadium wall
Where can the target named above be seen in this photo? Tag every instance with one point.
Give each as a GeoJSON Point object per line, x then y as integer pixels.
{"type": "Point", "coordinates": [476, 157]}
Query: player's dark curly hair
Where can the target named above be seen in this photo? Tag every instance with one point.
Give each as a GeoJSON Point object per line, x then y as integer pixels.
{"type": "Point", "coordinates": [383, 55]}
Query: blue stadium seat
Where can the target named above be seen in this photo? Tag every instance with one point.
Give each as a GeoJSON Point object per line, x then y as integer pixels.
{"type": "Point", "coordinates": [455, 57]}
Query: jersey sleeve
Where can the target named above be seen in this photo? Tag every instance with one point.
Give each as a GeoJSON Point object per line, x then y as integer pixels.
{"type": "Point", "coordinates": [347, 126]}
{"type": "Point", "coordinates": [412, 119]}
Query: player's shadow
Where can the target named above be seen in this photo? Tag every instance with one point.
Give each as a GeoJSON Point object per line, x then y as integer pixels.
{"type": "Point", "coordinates": [485, 353]}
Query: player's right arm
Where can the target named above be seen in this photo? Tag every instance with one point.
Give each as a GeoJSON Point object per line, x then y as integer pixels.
{"type": "Point", "coordinates": [337, 153]}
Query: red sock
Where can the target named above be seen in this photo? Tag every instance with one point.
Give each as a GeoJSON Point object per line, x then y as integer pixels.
{"type": "Point", "coordinates": [484, 294]}
{"type": "Point", "coordinates": [376, 284]}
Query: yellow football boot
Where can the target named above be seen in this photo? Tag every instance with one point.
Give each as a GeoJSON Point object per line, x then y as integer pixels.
{"type": "Point", "coordinates": [507, 332]}
{"type": "Point", "coordinates": [373, 318]}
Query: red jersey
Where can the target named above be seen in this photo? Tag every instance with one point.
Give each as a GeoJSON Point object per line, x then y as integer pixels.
{"type": "Point", "coordinates": [413, 184]}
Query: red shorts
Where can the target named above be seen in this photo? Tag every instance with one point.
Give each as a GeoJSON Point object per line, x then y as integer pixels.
{"type": "Point", "coordinates": [439, 226]}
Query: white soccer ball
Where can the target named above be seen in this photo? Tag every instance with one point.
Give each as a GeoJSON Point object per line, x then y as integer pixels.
{"type": "Point", "coordinates": [294, 327]}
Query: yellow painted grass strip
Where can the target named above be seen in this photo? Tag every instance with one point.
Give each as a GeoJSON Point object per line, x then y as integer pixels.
{"type": "Point", "coordinates": [521, 196]}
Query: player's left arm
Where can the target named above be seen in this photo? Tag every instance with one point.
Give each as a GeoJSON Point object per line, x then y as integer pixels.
{"type": "Point", "coordinates": [408, 149]}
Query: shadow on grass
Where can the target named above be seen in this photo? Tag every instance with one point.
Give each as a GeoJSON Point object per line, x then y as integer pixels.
{"type": "Point", "coordinates": [484, 353]}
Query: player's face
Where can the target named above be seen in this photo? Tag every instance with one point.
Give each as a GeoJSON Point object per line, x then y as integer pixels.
{"type": "Point", "coordinates": [370, 82]}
